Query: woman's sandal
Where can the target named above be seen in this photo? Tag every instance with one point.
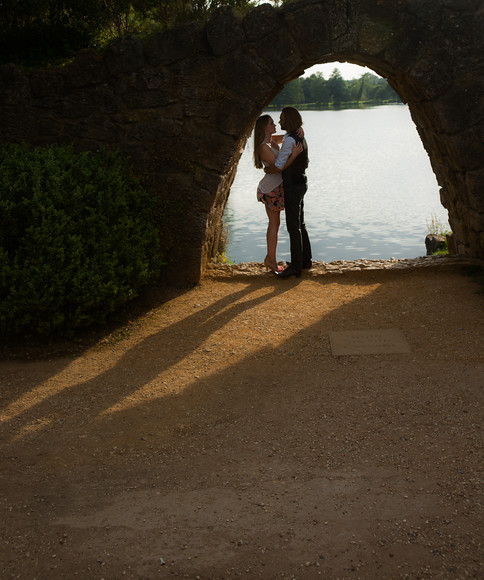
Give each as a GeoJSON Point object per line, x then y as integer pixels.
{"type": "Point", "coordinates": [269, 267]}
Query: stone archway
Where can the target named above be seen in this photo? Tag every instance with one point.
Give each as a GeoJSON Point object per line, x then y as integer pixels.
{"type": "Point", "coordinates": [182, 103]}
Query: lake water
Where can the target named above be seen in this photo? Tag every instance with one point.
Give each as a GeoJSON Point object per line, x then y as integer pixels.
{"type": "Point", "coordinates": [372, 192]}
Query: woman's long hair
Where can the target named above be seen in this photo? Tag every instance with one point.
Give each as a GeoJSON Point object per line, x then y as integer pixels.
{"type": "Point", "coordinates": [259, 135]}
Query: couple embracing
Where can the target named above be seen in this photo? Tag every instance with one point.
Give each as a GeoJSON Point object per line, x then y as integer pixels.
{"type": "Point", "coordinates": [284, 159]}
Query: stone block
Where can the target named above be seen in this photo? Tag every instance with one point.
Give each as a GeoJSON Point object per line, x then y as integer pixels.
{"type": "Point", "coordinates": [261, 23]}
{"type": "Point", "coordinates": [309, 27]}
{"type": "Point", "coordinates": [50, 127]}
{"type": "Point", "coordinates": [481, 246]}
{"type": "Point", "coordinates": [18, 123]}
{"type": "Point", "coordinates": [475, 220]}
{"type": "Point", "coordinates": [102, 130]}
{"type": "Point", "coordinates": [475, 188]}
{"type": "Point", "coordinates": [147, 127]}
{"type": "Point", "coordinates": [14, 85]}
{"type": "Point", "coordinates": [476, 244]}
{"type": "Point", "coordinates": [85, 102]}
{"type": "Point", "coordinates": [415, 36]}
{"type": "Point", "coordinates": [242, 73]}
{"type": "Point", "coordinates": [375, 35]}
{"type": "Point", "coordinates": [281, 57]}
{"type": "Point", "coordinates": [431, 73]}
{"type": "Point", "coordinates": [451, 245]}
{"type": "Point", "coordinates": [459, 108]}
{"type": "Point", "coordinates": [149, 88]}
{"type": "Point", "coordinates": [47, 87]}
{"type": "Point", "coordinates": [150, 99]}
{"type": "Point", "coordinates": [466, 148]}
{"type": "Point", "coordinates": [224, 31]}
{"type": "Point", "coordinates": [87, 69]}
{"type": "Point", "coordinates": [460, 231]}
{"type": "Point", "coordinates": [342, 17]}
{"type": "Point", "coordinates": [176, 44]}
{"type": "Point", "coordinates": [211, 146]}
{"type": "Point", "coordinates": [228, 115]}
{"type": "Point", "coordinates": [124, 56]}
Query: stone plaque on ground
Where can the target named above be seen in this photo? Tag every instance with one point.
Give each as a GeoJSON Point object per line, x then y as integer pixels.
{"type": "Point", "coordinates": [384, 341]}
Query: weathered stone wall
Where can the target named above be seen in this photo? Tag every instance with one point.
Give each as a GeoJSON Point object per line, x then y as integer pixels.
{"type": "Point", "coordinates": [182, 104]}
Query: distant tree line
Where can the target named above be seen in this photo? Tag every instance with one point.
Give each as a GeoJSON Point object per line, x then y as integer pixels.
{"type": "Point", "coordinates": [315, 90]}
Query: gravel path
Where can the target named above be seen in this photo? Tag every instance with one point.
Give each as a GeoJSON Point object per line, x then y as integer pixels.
{"type": "Point", "coordinates": [216, 436]}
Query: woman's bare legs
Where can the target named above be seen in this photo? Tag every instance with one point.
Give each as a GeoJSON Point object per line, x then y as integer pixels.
{"type": "Point", "coordinates": [270, 260]}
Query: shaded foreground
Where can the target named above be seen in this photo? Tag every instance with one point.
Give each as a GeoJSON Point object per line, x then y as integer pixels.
{"type": "Point", "coordinates": [221, 438]}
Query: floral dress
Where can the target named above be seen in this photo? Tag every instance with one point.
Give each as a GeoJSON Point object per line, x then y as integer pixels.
{"type": "Point", "coordinates": [270, 189]}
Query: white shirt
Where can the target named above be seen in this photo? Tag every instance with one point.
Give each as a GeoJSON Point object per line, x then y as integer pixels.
{"type": "Point", "coordinates": [286, 149]}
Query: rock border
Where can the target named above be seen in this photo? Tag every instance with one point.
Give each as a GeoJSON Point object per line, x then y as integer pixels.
{"type": "Point", "coordinates": [319, 268]}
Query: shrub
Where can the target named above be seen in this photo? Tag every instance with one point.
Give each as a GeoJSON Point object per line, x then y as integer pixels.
{"type": "Point", "coordinates": [76, 241]}
{"type": "Point", "coordinates": [436, 227]}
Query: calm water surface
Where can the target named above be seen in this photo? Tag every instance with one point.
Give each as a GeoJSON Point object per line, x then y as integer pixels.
{"type": "Point", "coordinates": [371, 190]}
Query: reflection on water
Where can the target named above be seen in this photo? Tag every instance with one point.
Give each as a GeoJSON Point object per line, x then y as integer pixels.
{"type": "Point", "coordinates": [371, 190]}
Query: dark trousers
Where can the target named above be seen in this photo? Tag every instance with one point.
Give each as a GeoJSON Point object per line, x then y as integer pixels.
{"type": "Point", "coordinates": [296, 228]}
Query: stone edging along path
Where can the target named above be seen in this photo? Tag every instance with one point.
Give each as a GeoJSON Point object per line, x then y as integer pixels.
{"type": "Point", "coordinates": [215, 270]}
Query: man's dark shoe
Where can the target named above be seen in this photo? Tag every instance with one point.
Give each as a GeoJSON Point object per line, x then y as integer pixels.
{"type": "Point", "coordinates": [289, 271]}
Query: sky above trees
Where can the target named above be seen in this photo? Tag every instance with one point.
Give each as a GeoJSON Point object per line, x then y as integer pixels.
{"type": "Point", "coordinates": [348, 70]}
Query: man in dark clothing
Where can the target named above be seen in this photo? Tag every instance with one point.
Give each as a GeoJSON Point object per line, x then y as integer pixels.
{"type": "Point", "coordinates": [295, 186]}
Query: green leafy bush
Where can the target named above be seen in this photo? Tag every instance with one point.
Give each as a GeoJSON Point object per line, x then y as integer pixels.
{"type": "Point", "coordinates": [76, 239]}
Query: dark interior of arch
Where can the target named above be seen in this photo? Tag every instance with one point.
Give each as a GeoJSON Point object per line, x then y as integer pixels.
{"type": "Point", "coordinates": [181, 104]}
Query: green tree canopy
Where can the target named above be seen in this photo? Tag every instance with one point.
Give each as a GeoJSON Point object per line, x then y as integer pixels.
{"type": "Point", "coordinates": [317, 91]}
{"type": "Point", "coordinates": [337, 88]}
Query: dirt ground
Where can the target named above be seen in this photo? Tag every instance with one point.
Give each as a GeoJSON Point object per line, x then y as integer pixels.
{"type": "Point", "coordinates": [216, 436]}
